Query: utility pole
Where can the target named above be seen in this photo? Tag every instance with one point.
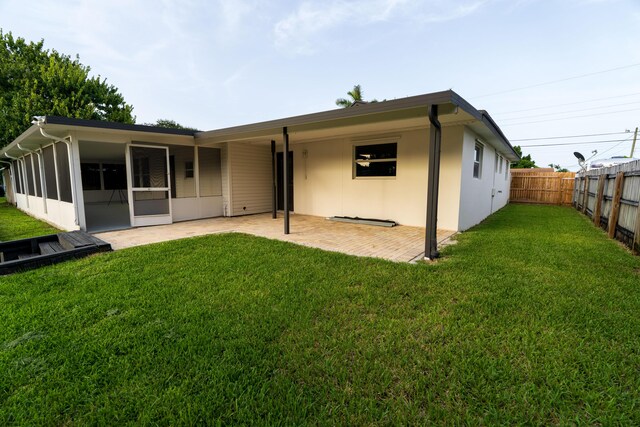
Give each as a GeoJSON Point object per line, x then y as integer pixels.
{"type": "Point", "coordinates": [633, 146]}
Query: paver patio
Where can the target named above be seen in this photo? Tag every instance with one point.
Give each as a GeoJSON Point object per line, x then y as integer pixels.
{"type": "Point", "coordinates": [400, 243]}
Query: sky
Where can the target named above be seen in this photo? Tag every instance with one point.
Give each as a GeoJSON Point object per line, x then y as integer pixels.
{"type": "Point", "coordinates": [541, 68]}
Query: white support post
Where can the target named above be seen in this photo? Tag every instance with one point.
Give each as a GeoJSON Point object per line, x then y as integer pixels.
{"type": "Point", "coordinates": [127, 161]}
{"type": "Point", "coordinates": [12, 176]}
{"type": "Point", "coordinates": [25, 178]}
{"type": "Point", "coordinates": [33, 175]}
{"type": "Point", "coordinates": [76, 182]}
{"type": "Point", "coordinates": [55, 168]}
{"type": "Point", "coordinates": [43, 185]}
{"type": "Point", "coordinates": [196, 169]}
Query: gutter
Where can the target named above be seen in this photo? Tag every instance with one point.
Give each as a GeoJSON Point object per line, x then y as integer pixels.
{"type": "Point", "coordinates": [433, 182]}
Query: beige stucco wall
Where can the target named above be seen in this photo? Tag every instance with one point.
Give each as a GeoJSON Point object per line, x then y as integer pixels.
{"type": "Point", "coordinates": [324, 183]}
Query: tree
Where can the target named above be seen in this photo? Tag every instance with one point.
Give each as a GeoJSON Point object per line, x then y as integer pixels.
{"type": "Point", "coordinates": [38, 82]}
{"type": "Point", "coordinates": [171, 124]}
{"type": "Point", "coordinates": [356, 96]}
{"type": "Point", "coordinates": [558, 168]}
{"type": "Point", "coordinates": [525, 162]}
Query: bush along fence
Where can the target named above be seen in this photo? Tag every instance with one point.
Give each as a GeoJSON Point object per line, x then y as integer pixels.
{"type": "Point", "coordinates": [546, 187]}
{"type": "Point", "coordinates": [611, 197]}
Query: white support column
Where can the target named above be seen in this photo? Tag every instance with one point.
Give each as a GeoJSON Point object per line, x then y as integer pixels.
{"type": "Point", "coordinates": [127, 160]}
{"type": "Point", "coordinates": [12, 176]}
{"type": "Point", "coordinates": [25, 180]}
{"type": "Point", "coordinates": [43, 185]}
{"type": "Point", "coordinates": [33, 175]}
{"type": "Point", "coordinates": [55, 167]}
{"type": "Point", "coordinates": [76, 182]}
{"type": "Point", "coordinates": [196, 169]}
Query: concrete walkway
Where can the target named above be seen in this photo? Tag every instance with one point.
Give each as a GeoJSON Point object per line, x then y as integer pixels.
{"type": "Point", "coordinates": [400, 243]}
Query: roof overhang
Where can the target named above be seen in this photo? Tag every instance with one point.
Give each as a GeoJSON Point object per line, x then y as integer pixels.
{"type": "Point", "coordinates": [401, 113]}
{"type": "Point", "coordinates": [62, 127]}
{"type": "Point", "coordinates": [386, 116]}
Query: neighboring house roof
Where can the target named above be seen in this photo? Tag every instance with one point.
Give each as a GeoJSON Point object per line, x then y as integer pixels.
{"type": "Point", "coordinates": [452, 109]}
{"type": "Point", "coordinates": [612, 161]}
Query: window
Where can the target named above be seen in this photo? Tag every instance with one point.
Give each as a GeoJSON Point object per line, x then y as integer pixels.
{"type": "Point", "coordinates": [62, 157]}
{"type": "Point", "coordinates": [28, 165]}
{"type": "Point", "coordinates": [17, 174]}
{"type": "Point", "coordinates": [506, 169]}
{"type": "Point", "coordinates": [182, 171]}
{"type": "Point", "coordinates": [188, 169]}
{"type": "Point", "coordinates": [210, 166]}
{"type": "Point", "coordinates": [141, 172]}
{"type": "Point", "coordinates": [114, 176]}
{"type": "Point", "coordinates": [50, 172]}
{"type": "Point", "coordinates": [377, 160]}
{"type": "Point", "coordinates": [500, 162]}
{"type": "Point", "coordinates": [477, 160]}
{"type": "Point", "coordinates": [90, 176]}
{"type": "Point", "coordinates": [36, 174]}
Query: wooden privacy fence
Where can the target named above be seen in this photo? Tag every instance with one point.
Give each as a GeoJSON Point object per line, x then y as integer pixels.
{"type": "Point", "coordinates": [611, 197]}
{"type": "Point", "coordinates": [532, 186]}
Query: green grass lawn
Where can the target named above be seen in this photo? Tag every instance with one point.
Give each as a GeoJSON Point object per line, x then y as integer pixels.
{"type": "Point", "coordinates": [14, 224]}
{"type": "Point", "coordinates": [531, 318]}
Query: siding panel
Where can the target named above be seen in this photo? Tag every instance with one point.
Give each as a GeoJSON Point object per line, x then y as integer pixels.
{"type": "Point", "coordinates": [250, 172]}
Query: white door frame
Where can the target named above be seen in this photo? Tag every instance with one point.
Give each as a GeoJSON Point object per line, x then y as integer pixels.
{"type": "Point", "coordinates": [144, 220]}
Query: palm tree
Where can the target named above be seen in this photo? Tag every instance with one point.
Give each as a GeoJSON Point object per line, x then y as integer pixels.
{"type": "Point", "coordinates": [356, 96]}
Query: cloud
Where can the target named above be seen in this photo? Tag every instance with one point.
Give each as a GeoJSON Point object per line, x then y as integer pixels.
{"type": "Point", "coordinates": [296, 31]}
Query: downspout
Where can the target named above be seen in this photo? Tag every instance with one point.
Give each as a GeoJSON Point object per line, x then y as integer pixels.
{"type": "Point", "coordinates": [274, 204]}
{"type": "Point", "coordinates": [14, 177]}
{"type": "Point", "coordinates": [435, 131]}
{"type": "Point", "coordinates": [10, 175]}
{"type": "Point", "coordinates": [40, 122]}
{"type": "Point", "coordinates": [3, 168]}
{"type": "Point", "coordinates": [285, 175]}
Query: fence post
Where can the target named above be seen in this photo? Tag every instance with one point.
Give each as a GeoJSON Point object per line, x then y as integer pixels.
{"type": "Point", "coordinates": [585, 196]}
{"type": "Point", "coordinates": [636, 234]}
{"type": "Point", "coordinates": [615, 204]}
{"type": "Point", "coordinates": [597, 212]}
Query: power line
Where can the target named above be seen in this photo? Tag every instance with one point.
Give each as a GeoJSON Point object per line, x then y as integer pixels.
{"type": "Point", "coordinates": [569, 103]}
{"type": "Point", "coordinates": [568, 136]}
{"type": "Point", "coordinates": [609, 149]}
{"type": "Point", "coordinates": [575, 143]}
{"type": "Point", "coordinates": [571, 117]}
{"type": "Point", "coordinates": [570, 111]}
{"type": "Point", "coordinates": [559, 80]}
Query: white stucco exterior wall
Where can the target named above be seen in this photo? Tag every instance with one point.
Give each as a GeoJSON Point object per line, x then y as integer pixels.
{"type": "Point", "coordinates": [480, 197]}
{"type": "Point", "coordinates": [324, 184]}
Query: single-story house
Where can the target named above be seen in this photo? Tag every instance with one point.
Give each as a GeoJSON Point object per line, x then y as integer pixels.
{"type": "Point", "coordinates": [428, 160]}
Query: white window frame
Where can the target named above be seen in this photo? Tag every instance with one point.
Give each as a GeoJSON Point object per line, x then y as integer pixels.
{"type": "Point", "coordinates": [477, 159]}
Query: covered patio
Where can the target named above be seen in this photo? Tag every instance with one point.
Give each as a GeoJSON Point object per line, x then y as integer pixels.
{"type": "Point", "coordinates": [400, 243]}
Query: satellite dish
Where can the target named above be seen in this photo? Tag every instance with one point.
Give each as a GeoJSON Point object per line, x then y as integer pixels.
{"type": "Point", "coordinates": [579, 156]}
